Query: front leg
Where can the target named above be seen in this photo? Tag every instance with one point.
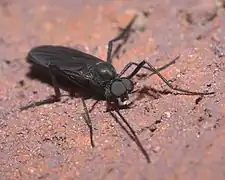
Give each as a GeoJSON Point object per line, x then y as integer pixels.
{"type": "Point", "coordinates": [156, 71]}
{"type": "Point", "coordinates": [145, 67]}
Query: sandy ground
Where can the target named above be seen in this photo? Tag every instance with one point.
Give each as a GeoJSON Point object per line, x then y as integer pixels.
{"type": "Point", "coordinates": [183, 135]}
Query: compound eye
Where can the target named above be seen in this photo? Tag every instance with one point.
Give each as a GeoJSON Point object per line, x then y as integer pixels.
{"type": "Point", "coordinates": [118, 88]}
{"type": "Point", "coordinates": [128, 84]}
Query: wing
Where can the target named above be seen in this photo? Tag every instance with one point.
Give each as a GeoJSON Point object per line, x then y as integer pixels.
{"type": "Point", "coordinates": [73, 64]}
{"type": "Point", "coordinates": [64, 58]}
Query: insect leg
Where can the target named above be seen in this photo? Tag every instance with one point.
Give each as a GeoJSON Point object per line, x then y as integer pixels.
{"type": "Point", "coordinates": [155, 71]}
{"type": "Point", "coordinates": [88, 121]}
{"type": "Point", "coordinates": [124, 34]}
{"type": "Point", "coordinates": [51, 99]}
{"type": "Point", "coordinates": [52, 69]}
{"type": "Point", "coordinates": [135, 137]}
{"type": "Point", "coordinates": [146, 67]}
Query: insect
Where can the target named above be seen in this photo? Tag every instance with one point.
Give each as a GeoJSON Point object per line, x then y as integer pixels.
{"type": "Point", "coordinates": [96, 77]}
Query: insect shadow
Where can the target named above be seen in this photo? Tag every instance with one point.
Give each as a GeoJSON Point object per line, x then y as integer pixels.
{"type": "Point", "coordinates": [64, 67]}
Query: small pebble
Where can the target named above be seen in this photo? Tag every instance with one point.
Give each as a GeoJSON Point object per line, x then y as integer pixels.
{"type": "Point", "coordinates": [152, 128]}
{"type": "Point", "coordinates": [168, 114]}
{"type": "Point", "coordinates": [208, 125]}
{"type": "Point", "coordinates": [156, 149]}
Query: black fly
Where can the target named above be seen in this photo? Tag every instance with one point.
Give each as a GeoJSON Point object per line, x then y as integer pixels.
{"type": "Point", "coordinates": [94, 76]}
